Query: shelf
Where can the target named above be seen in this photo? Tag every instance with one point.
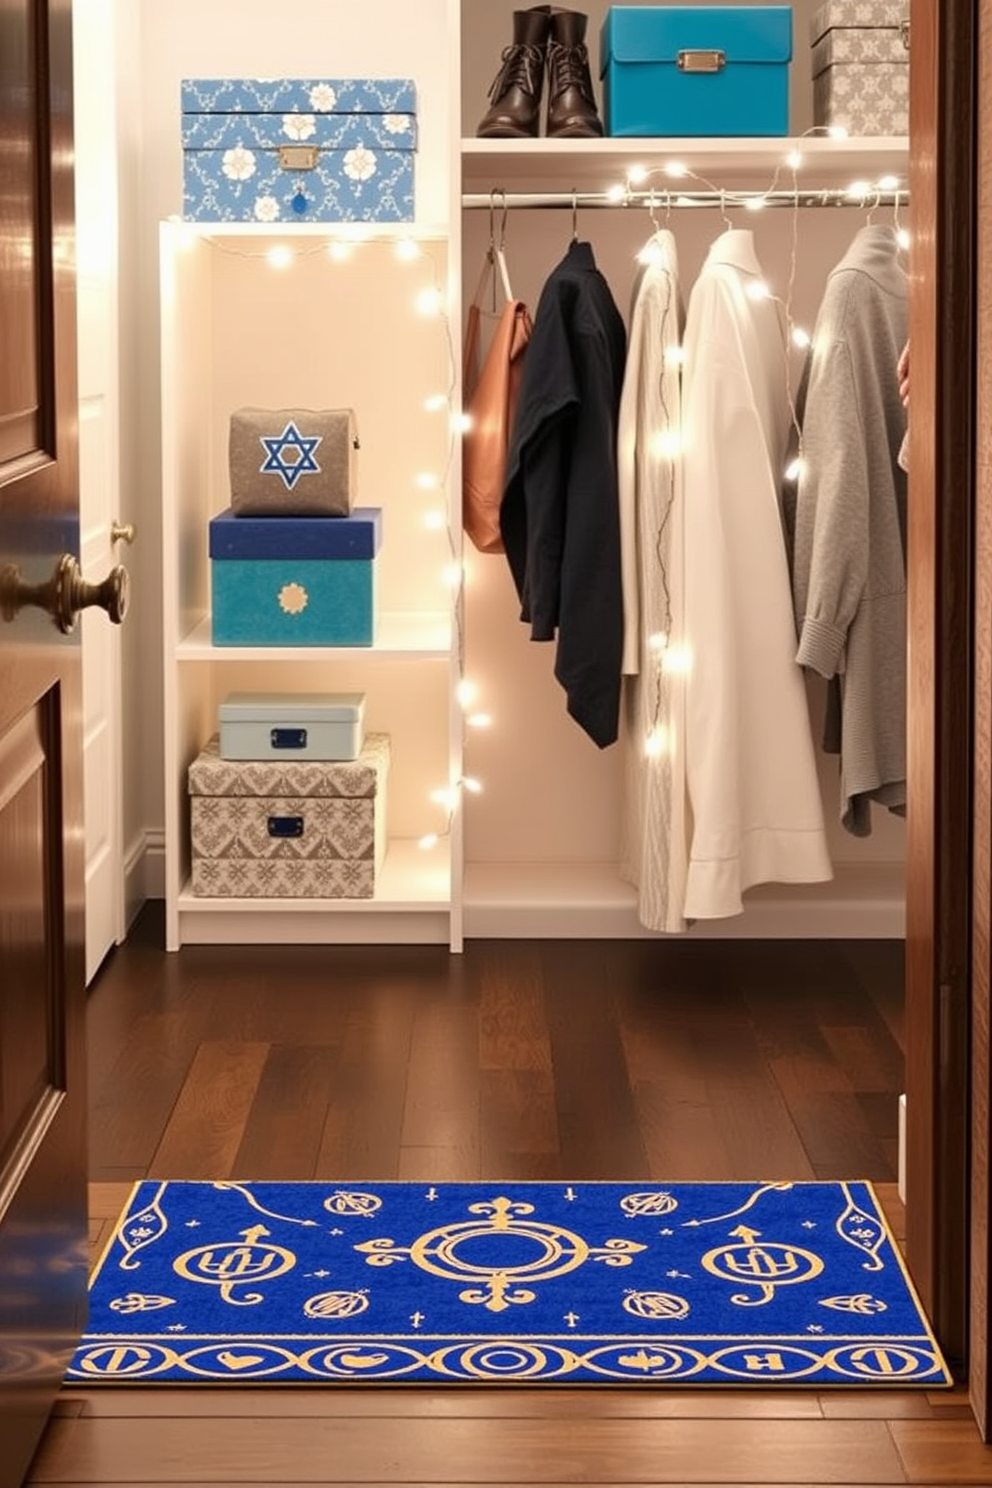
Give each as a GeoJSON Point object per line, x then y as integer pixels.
{"type": "Point", "coordinates": [742, 163]}
{"type": "Point", "coordinates": [412, 905]}
{"type": "Point", "coordinates": [410, 878]}
{"type": "Point", "coordinates": [592, 901]}
{"type": "Point", "coordinates": [403, 634]}
{"type": "Point", "coordinates": [269, 234]}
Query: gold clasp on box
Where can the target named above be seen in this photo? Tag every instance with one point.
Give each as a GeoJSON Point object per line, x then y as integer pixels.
{"type": "Point", "coordinates": [298, 157]}
{"type": "Point", "coordinates": [701, 61]}
{"type": "Point", "coordinates": [904, 33]}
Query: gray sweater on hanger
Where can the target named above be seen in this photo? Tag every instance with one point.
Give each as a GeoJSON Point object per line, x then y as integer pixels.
{"type": "Point", "coordinates": [849, 564]}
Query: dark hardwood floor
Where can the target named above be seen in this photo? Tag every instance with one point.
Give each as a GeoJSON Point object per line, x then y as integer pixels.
{"type": "Point", "coordinates": [590, 1060]}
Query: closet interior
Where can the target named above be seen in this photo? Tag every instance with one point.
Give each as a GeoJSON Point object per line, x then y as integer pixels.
{"type": "Point", "coordinates": [523, 815]}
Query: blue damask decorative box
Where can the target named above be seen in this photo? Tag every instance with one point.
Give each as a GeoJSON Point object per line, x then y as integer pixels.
{"type": "Point", "coordinates": [298, 150]}
{"type": "Point", "coordinates": [294, 581]}
{"type": "Point", "coordinates": [672, 70]}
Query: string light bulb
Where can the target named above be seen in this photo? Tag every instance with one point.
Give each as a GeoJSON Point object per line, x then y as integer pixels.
{"type": "Point", "coordinates": [280, 257]}
{"type": "Point", "coordinates": [407, 250]}
{"type": "Point", "coordinates": [429, 302]}
{"type": "Point", "coordinates": [656, 743]}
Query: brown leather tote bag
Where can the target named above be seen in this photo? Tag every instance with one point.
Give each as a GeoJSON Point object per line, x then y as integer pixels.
{"type": "Point", "coordinates": [490, 402]}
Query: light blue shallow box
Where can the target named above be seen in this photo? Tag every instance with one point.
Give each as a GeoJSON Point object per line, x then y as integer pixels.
{"type": "Point", "coordinates": [298, 150]}
{"type": "Point", "coordinates": [708, 70]}
{"type": "Point", "coordinates": [294, 581]}
{"type": "Point", "coordinates": [292, 725]}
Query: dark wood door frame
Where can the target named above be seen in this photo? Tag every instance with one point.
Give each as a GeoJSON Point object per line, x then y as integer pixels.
{"type": "Point", "coordinates": [940, 545]}
{"type": "Point", "coordinates": [980, 1351]}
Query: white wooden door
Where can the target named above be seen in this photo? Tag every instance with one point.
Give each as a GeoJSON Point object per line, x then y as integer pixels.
{"type": "Point", "coordinates": [95, 67]}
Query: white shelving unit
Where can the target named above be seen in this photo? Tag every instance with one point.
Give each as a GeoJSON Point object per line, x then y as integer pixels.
{"type": "Point", "coordinates": [336, 320]}
{"type": "Point", "coordinates": [738, 164]}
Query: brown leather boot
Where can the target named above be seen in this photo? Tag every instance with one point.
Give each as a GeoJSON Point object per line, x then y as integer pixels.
{"type": "Point", "coordinates": [516, 91]}
{"type": "Point", "coordinates": [571, 103]}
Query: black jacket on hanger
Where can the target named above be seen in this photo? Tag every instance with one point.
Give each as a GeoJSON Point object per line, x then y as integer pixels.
{"type": "Point", "coordinates": [559, 516]}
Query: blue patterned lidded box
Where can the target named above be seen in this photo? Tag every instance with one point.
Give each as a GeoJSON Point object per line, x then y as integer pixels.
{"type": "Point", "coordinates": [287, 150]}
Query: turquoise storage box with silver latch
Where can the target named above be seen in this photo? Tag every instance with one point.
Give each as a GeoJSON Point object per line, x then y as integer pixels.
{"type": "Point", "coordinates": [677, 70]}
{"type": "Point", "coordinates": [285, 150]}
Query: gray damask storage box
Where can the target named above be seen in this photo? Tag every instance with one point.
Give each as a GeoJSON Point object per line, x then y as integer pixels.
{"type": "Point", "coordinates": [302, 829]}
{"type": "Point", "coordinates": [860, 62]}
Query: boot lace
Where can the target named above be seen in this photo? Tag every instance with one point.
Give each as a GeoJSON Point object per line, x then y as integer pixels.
{"type": "Point", "coordinates": [522, 66]}
{"type": "Point", "coordinates": [568, 67]}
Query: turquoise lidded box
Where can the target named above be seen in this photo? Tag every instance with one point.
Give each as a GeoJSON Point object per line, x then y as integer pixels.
{"type": "Point", "coordinates": [284, 150]}
{"type": "Point", "coordinates": [294, 581]}
{"type": "Point", "coordinates": [671, 71]}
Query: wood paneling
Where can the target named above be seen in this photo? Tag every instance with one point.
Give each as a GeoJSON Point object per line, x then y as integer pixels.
{"type": "Point", "coordinates": [939, 638]}
{"type": "Point", "coordinates": [980, 1352]}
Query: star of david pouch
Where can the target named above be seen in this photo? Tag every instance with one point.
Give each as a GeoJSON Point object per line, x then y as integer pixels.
{"type": "Point", "coordinates": [299, 462]}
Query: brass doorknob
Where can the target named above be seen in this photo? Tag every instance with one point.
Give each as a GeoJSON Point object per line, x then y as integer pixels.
{"type": "Point", "coordinates": [122, 532]}
{"type": "Point", "coordinates": [65, 593]}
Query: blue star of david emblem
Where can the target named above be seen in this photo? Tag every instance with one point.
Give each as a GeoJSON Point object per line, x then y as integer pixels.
{"type": "Point", "coordinates": [291, 455]}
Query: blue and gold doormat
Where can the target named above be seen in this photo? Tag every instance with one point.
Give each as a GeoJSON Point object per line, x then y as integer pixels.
{"type": "Point", "coordinates": [581, 1283]}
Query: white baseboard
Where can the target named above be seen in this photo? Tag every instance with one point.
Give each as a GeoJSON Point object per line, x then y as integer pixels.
{"type": "Point", "coordinates": [144, 872]}
{"type": "Point", "coordinates": [902, 1148]}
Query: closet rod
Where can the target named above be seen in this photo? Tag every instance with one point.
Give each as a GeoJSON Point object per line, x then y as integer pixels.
{"type": "Point", "coordinates": [663, 199]}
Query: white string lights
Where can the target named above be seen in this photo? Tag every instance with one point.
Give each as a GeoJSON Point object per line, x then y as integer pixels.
{"type": "Point", "coordinates": [339, 247]}
{"type": "Point", "coordinates": [667, 659]}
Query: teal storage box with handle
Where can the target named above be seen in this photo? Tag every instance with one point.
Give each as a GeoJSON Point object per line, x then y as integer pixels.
{"type": "Point", "coordinates": [294, 581]}
{"type": "Point", "coordinates": [676, 70]}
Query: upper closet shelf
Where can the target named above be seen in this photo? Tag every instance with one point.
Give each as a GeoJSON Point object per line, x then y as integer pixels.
{"type": "Point", "coordinates": [745, 164]}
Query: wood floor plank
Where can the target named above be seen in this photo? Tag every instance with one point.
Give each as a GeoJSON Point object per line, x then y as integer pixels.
{"type": "Point", "coordinates": [361, 1136]}
{"type": "Point", "coordinates": [949, 1452]}
{"type": "Point", "coordinates": [425, 1402]}
{"type": "Point", "coordinates": [206, 1128]}
{"type": "Point", "coordinates": [285, 1125]}
{"type": "Point", "coordinates": [518, 1123]}
{"type": "Point", "coordinates": [467, 1452]}
{"type": "Point", "coordinates": [513, 1028]}
{"type": "Point", "coordinates": [128, 1113]}
{"type": "Point", "coordinates": [757, 1126]}
{"type": "Point", "coordinates": [599, 1132]}
{"type": "Point", "coordinates": [442, 1085]}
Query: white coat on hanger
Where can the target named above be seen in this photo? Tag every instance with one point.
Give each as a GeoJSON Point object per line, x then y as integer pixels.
{"type": "Point", "coordinates": [653, 851]}
{"type": "Point", "coordinates": [757, 814]}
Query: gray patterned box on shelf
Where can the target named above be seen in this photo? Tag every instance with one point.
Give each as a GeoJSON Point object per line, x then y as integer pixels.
{"type": "Point", "coordinates": [301, 829]}
{"type": "Point", "coordinates": [289, 150]}
{"type": "Point", "coordinates": [860, 66]}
